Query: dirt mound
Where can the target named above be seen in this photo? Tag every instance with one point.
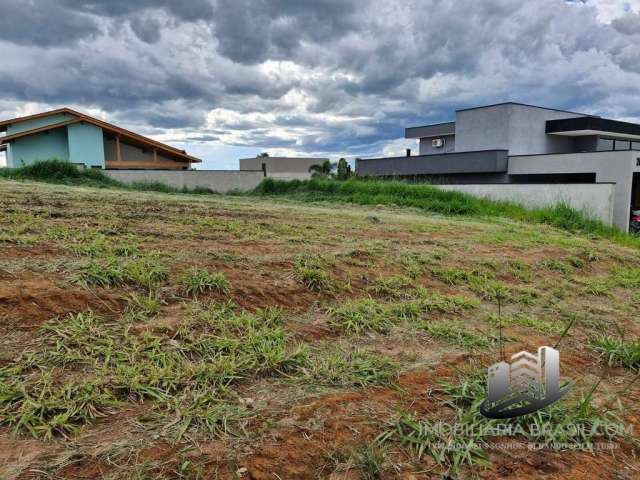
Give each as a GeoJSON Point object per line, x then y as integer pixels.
{"type": "Point", "coordinates": [30, 302]}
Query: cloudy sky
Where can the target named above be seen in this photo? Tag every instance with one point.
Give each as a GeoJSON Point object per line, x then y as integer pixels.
{"type": "Point", "coordinates": [231, 78]}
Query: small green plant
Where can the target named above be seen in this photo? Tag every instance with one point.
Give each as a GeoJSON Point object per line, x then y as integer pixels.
{"type": "Point", "coordinates": [455, 332]}
{"type": "Point", "coordinates": [197, 281]}
{"type": "Point", "coordinates": [534, 323]}
{"type": "Point", "coordinates": [141, 307]}
{"type": "Point", "coordinates": [346, 368]}
{"type": "Point", "coordinates": [312, 272]}
{"type": "Point", "coordinates": [102, 274]}
{"type": "Point", "coordinates": [626, 277]}
{"type": "Point", "coordinates": [555, 265]}
{"type": "Point", "coordinates": [371, 460]}
{"type": "Point", "coordinates": [45, 409]}
{"type": "Point", "coordinates": [598, 287]}
{"type": "Point", "coordinates": [358, 316]}
{"type": "Point", "coordinates": [113, 272]}
{"type": "Point", "coordinates": [423, 437]}
{"type": "Point", "coordinates": [391, 287]}
{"type": "Point", "coordinates": [618, 352]}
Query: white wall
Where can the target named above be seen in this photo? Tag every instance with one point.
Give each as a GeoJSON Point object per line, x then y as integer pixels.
{"type": "Point", "coordinates": [615, 167]}
{"type": "Point", "coordinates": [593, 199]}
{"type": "Point", "coordinates": [3, 159]}
{"type": "Point", "coordinates": [220, 181]}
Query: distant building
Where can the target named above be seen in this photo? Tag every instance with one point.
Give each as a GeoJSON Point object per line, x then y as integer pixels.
{"type": "Point", "coordinates": [274, 166]}
{"type": "Point", "coordinates": [518, 143]}
{"type": "Point", "coordinates": [85, 141]}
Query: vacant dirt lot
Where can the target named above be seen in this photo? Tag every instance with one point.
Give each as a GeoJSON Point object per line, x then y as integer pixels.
{"type": "Point", "coordinates": [175, 336]}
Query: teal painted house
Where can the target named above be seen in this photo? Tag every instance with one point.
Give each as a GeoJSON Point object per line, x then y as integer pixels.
{"type": "Point", "coordinates": [68, 135]}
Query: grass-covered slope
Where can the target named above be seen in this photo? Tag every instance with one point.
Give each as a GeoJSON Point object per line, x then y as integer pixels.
{"type": "Point", "coordinates": [145, 335]}
{"type": "Point", "coordinates": [432, 199]}
{"type": "Point", "coordinates": [66, 173]}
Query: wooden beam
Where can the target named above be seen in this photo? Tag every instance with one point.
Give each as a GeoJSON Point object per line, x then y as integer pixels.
{"type": "Point", "coordinates": [118, 152]}
{"type": "Point", "coordinates": [53, 126]}
{"type": "Point", "coordinates": [155, 155]}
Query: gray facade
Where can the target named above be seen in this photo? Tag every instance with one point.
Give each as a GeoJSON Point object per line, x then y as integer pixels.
{"type": "Point", "coordinates": [490, 161]}
{"type": "Point", "coordinates": [523, 144]}
{"type": "Point", "coordinates": [517, 128]}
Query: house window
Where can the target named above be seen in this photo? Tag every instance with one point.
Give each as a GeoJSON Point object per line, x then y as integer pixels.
{"type": "Point", "coordinates": [605, 144]}
{"type": "Point", "coordinates": [622, 145]}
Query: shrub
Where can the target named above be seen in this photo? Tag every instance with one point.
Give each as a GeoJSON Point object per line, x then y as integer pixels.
{"type": "Point", "coordinates": [197, 281]}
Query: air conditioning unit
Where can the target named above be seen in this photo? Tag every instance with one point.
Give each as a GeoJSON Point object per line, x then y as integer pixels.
{"type": "Point", "coordinates": [437, 142]}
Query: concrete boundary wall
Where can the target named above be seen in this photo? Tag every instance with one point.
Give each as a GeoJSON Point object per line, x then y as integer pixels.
{"type": "Point", "coordinates": [220, 181]}
{"type": "Point", "coordinates": [595, 200]}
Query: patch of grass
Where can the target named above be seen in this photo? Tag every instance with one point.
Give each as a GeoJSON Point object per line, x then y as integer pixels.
{"type": "Point", "coordinates": [534, 323]}
{"type": "Point", "coordinates": [597, 287]}
{"type": "Point", "coordinates": [197, 281]}
{"type": "Point", "coordinates": [371, 461]}
{"type": "Point", "coordinates": [45, 409]}
{"type": "Point", "coordinates": [60, 171]}
{"type": "Point", "coordinates": [358, 316]}
{"type": "Point", "coordinates": [457, 333]}
{"type": "Point", "coordinates": [520, 270]}
{"type": "Point", "coordinates": [348, 368]}
{"type": "Point", "coordinates": [422, 437]}
{"type": "Point", "coordinates": [312, 272]}
{"type": "Point", "coordinates": [574, 418]}
{"type": "Point", "coordinates": [369, 315]}
{"type": "Point", "coordinates": [626, 277]}
{"type": "Point", "coordinates": [149, 186]}
{"type": "Point", "coordinates": [141, 307]}
{"type": "Point", "coordinates": [555, 265]}
{"type": "Point", "coordinates": [432, 199]}
{"type": "Point", "coordinates": [188, 374]}
{"type": "Point", "coordinates": [484, 284]}
{"type": "Point", "coordinates": [391, 287]}
{"type": "Point", "coordinates": [63, 172]}
{"type": "Point", "coordinates": [112, 272]}
{"type": "Point", "coordinates": [618, 352]}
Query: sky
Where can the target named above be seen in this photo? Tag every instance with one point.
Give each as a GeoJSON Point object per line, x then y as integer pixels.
{"type": "Point", "coordinates": [226, 79]}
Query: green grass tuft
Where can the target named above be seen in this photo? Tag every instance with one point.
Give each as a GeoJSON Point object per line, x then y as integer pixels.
{"type": "Point", "coordinates": [618, 352]}
{"type": "Point", "coordinates": [197, 281]}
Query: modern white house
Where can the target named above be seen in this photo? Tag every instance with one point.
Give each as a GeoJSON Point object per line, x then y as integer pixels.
{"type": "Point", "coordinates": [514, 143]}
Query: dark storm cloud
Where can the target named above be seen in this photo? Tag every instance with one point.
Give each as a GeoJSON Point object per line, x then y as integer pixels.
{"type": "Point", "coordinates": [629, 24]}
{"type": "Point", "coordinates": [333, 76]}
{"type": "Point", "coordinates": [251, 31]}
{"type": "Point", "coordinates": [187, 10]}
{"type": "Point", "coordinates": [43, 23]}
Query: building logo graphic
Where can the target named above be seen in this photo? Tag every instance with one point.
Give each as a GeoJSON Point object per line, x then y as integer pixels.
{"type": "Point", "coordinates": [529, 383]}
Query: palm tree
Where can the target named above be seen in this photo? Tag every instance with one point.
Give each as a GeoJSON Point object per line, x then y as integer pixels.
{"type": "Point", "coordinates": [323, 170]}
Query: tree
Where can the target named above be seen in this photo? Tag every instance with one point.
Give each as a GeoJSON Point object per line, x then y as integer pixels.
{"type": "Point", "coordinates": [323, 170]}
{"type": "Point", "coordinates": [344, 170]}
{"type": "Point", "coordinates": [263, 155]}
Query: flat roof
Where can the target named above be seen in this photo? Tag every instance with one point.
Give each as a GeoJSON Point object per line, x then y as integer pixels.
{"type": "Point", "coordinates": [433, 130]}
{"type": "Point", "coordinates": [582, 126]}
{"type": "Point", "coordinates": [523, 105]}
{"type": "Point", "coordinates": [412, 132]}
